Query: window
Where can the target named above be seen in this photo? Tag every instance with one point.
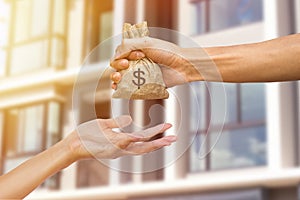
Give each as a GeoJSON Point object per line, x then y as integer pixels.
{"type": "Point", "coordinates": [214, 15]}
{"type": "Point", "coordinates": [4, 21]}
{"type": "Point", "coordinates": [34, 35]}
{"type": "Point", "coordinates": [247, 194]}
{"type": "Point", "coordinates": [29, 130]}
{"type": "Point", "coordinates": [25, 130]}
{"type": "Point", "coordinates": [92, 173]}
{"type": "Point", "coordinates": [242, 142]}
{"type": "Point", "coordinates": [98, 28]}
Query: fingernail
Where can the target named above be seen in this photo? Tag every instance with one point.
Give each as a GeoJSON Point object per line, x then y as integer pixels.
{"type": "Point", "coordinates": [168, 125]}
{"type": "Point", "coordinates": [172, 139]}
{"type": "Point", "coordinates": [124, 63]}
{"type": "Point", "coordinates": [115, 76]}
{"type": "Point", "coordinates": [140, 54]}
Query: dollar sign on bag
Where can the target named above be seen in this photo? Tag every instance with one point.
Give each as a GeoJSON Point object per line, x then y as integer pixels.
{"type": "Point", "coordinates": [140, 80]}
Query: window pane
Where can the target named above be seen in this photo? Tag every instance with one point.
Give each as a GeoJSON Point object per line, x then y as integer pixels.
{"type": "Point", "coordinates": [1, 129]}
{"type": "Point", "coordinates": [220, 12]}
{"type": "Point", "coordinates": [253, 102]}
{"type": "Point", "coordinates": [106, 22]}
{"type": "Point", "coordinates": [11, 132]}
{"type": "Point", "coordinates": [198, 106]}
{"type": "Point", "coordinates": [33, 128]}
{"type": "Point", "coordinates": [22, 24]}
{"type": "Point", "coordinates": [39, 17]}
{"type": "Point", "coordinates": [24, 130]}
{"type": "Point", "coordinates": [29, 57]}
{"type": "Point", "coordinates": [239, 148]}
{"type": "Point", "coordinates": [223, 14]}
{"type": "Point", "coordinates": [229, 13]}
{"type": "Point", "coordinates": [223, 106]}
{"type": "Point", "coordinates": [53, 134]}
{"type": "Point", "coordinates": [91, 173]}
{"type": "Point", "coordinates": [2, 62]}
{"type": "Point", "coordinates": [198, 18]}
{"type": "Point", "coordinates": [4, 22]}
{"type": "Point", "coordinates": [196, 162]}
{"type": "Point", "coordinates": [57, 56]}
{"type": "Point", "coordinates": [59, 16]}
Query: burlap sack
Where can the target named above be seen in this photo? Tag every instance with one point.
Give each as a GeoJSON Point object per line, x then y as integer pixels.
{"type": "Point", "coordinates": [143, 79]}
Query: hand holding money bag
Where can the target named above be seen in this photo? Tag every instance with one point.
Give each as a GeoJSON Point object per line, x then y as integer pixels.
{"type": "Point", "coordinates": [143, 78]}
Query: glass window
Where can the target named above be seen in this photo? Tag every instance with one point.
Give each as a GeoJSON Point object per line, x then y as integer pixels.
{"type": "Point", "coordinates": [4, 34]}
{"type": "Point", "coordinates": [245, 194]}
{"type": "Point", "coordinates": [1, 128]}
{"type": "Point", "coordinates": [214, 15]}
{"type": "Point", "coordinates": [196, 162]}
{"type": "Point", "coordinates": [32, 19]}
{"type": "Point", "coordinates": [59, 24]}
{"type": "Point", "coordinates": [2, 62]}
{"type": "Point", "coordinates": [242, 142]}
{"type": "Point", "coordinates": [198, 17]}
{"type": "Point", "coordinates": [92, 173]}
{"type": "Point", "coordinates": [217, 104]}
{"type": "Point", "coordinates": [4, 21]}
{"type": "Point", "coordinates": [29, 57]}
{"type": "Point", "coordinates": [53, 125]}
{"type": "Point", "coordinates": [252, 96]}
{"type": "Point", "coordinates": [198, 92]}
{"type": "Point", "coordinates": [99, 26]}
{"type": "Point", "coordinates": [25, 128]}
{"type": "Point", "coordinates": [28, 131]}
{"type": "Point", "coordinates": [39, 17]}
{"type": "Point", "coordinates": [106, 19]}
{"type": "Point", "coordinates": [57, 55]}
{"type": "Point", "coordinates": [239, 148]}
{"type": "Point", "coordinates": [39, 36]}
{"type": "Point", "coordinates": [22, 22]}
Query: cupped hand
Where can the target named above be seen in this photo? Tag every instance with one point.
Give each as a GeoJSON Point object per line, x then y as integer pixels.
{"type": "Point", "coordinates": [175, 68]}
{"type": "Point", "coordinates": [97, 139]}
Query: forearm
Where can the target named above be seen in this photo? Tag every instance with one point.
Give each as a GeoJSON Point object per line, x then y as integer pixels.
{"type": "Point", "coordinates": [25, 178]}
{"type": "Point", "coordinates": [274, 60]}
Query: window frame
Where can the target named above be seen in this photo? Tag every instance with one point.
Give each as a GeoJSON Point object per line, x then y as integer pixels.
{"type": "Point", "coordinates": [91, 31]}
{"type": "Point", "coordinates": [48, 37]}
{"type": "Point", "coordinates": [44, 129]}
{"type": "Point", "coordinates": [207, 16]}
{"type": "Point", "coordinates": [231, 126]}
{"type": "Point", "coordinates": [45, 133]}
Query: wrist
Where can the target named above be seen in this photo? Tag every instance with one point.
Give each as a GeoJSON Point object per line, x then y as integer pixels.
{"type": "Point", "coordinates": [76, 147]}
{"type": "Point", "coordinates": [210, 64]}
{"type": "Point", "coordinates": [60, 155]}
{"type": "Point", "coordinates": [190, 62]}
{"type": "Point", "coordinates": [71, 146]}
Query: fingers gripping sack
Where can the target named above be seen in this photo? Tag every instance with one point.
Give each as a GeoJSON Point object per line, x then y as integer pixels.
{"type": "Point", "coordinates": [143, 79]}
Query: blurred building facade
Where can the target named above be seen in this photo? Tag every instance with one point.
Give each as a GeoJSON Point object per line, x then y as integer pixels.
{"type": "Point", "coordinates": [43, 44]}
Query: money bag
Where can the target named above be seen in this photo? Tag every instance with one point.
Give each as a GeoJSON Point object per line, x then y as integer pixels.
{"type": "Point", "coordinates": [143, 78]}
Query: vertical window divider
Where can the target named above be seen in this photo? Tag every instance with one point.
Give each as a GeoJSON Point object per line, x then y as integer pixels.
{"type": "Point", "coordinates": [239, 103]}
{"type": "Point", "coordinates": [3, 143]}
{"type": "Point", "coordinates": [208, 118]}
{"type": "Point", "coordinates": [31, 8]}
{"type": "Point", "coordinates": [61, 114]}
{"type": "Point", "coordinates": [50, 33]}
{"type": "Point", "coordinates": [21, 130]}
{"type": "Point", "coordinates": [66, 31]}
{"type": "Point", "coordinates": [45, 126]}
{"type": "Point", "coordinates": [10, 37]}
{"type": "Point", "coordinates": [207, 15]}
